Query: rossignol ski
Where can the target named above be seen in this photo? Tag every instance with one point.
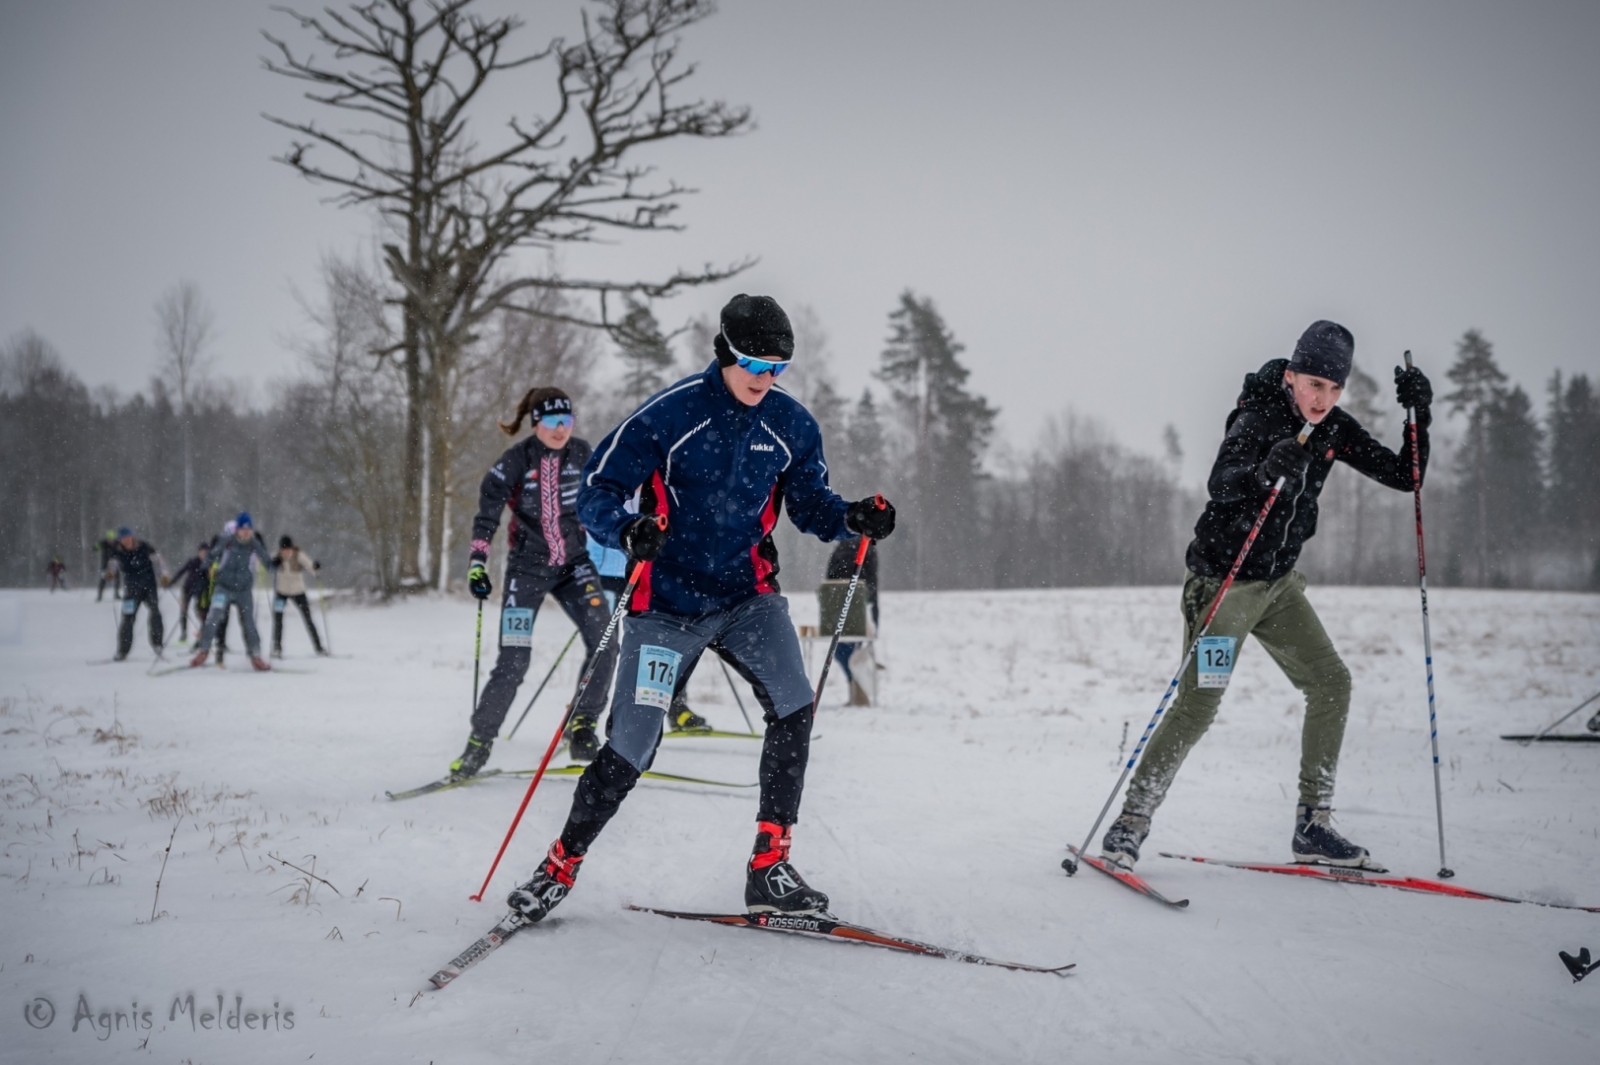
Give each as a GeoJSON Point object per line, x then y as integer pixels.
{"type": "Point", "coordinates": [828, 927]}
{"type": "Point", "coordinates": [509, 925]}
{"type": "Point", "coordinates": [1371, 878]}
{"type": "Point", "coordinates": [1125, 877]}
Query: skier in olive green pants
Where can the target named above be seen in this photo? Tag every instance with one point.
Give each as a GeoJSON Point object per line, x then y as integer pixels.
{"type": "Point", "coordinates": [1280, 617]}
{"type": "Point", "coordinates": [1268, 599]}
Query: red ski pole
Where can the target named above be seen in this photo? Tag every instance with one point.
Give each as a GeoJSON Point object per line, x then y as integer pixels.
{"type": "Point", "coordinates": [583, 685]}
{"type": "Point", "coordinates": [849, 594]}
{"type": "Point", "coordinates": [1261, 519]}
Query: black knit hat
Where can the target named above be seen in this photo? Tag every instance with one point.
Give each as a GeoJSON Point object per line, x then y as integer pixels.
{"type": "Point", "coordinates": [755, 327]}
{"type": "Point", "coordinates": [1325, 350]}
{"type": "Point", "coordinates": [284, 541]}
{"type": "Point", "coordinates": [557, 402]}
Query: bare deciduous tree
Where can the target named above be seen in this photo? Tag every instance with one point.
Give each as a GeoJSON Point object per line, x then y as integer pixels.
{"type": "Point", "coordinates": [184, 326]}
{"type": "Point", "coordinates": [351, 411]}
{"type": "Point", "coordinates": [412, 72]}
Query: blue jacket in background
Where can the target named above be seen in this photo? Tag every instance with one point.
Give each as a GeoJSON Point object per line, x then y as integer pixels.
{"type": "Point", "coordinates": [721, 472]}
{"type": "Point", "coordinates": [608, 561]}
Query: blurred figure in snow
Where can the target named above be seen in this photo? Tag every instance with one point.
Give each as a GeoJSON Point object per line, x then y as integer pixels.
{"type": "Point", "coordinates": [289, 585]}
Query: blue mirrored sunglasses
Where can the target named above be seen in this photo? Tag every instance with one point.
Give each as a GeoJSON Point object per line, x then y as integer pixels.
{"type": "Point", "coordinates": [556, 421]}
{"type": "Point", "coordinates": [760, 366]}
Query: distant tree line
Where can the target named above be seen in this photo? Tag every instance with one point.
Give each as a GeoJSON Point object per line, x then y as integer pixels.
{"type": "Point", "coordinates": [1511, 499]}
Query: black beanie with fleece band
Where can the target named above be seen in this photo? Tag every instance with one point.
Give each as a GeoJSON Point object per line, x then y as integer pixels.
{"type": "Point", "coordinates": [754, 327]}
{"type": "Point", "coordinates": [1325, 349]}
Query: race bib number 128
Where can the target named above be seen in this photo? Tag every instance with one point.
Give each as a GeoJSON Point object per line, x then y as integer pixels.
{"type": "Point", "coordinates": [516, 626]}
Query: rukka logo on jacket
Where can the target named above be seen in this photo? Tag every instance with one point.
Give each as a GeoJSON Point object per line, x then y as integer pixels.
{"type": "Point", "coordinates": [762, 447]}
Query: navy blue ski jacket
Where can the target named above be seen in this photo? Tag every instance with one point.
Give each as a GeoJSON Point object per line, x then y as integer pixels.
{"type": "Point", "coordinates": [721, 472]}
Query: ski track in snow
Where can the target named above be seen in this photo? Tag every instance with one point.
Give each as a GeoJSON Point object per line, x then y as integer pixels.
{"type": "Point", "coordinates": [941, 814]}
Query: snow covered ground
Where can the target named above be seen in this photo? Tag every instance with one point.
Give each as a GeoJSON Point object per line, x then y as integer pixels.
{"type": "Point", "coordinates": [941, 814]}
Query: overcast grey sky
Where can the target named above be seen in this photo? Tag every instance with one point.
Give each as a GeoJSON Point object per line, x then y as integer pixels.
{"type": "Point", "coordinates": [1119, 207]}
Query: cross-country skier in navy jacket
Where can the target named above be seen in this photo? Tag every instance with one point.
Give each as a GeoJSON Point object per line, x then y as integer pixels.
{"type": "Point", "coordinates": [719, 455]}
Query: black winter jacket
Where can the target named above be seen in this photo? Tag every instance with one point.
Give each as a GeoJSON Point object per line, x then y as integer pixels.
{"type": "Point", "coordinates": [193, 576]}
{"type": "Point", "coordinates": [138, 569]}
{"type": "Point", "coordinates": [1264, 415]}
{"type": "Point", "coordinates": [541, 487]}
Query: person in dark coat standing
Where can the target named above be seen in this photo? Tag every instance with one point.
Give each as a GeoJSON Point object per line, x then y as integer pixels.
{"type": "Point", "coordinates": [194, 585]}
{"type": "Point", "coordinates": [547, 554]}
{"type": "Point", "coordinates": [106, 545]}
{"type": "Point", "coordinates": [1268, 599]}
{"type": "Point", "coordinates": [138, 563]}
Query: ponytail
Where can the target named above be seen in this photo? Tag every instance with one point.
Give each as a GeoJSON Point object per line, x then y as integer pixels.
{"type": "Point", "coordinates": [533, 405]}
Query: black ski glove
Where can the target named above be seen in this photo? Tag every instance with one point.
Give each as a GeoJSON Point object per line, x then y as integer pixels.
{"type": "Point", "coordinates": [1286, 459]}
{"type": "Point", "coordinates": [643, 538]}
{"type": "Point", "coordinates": [1412, 389]}
{"type": "Point", "coordinates": [872, 517]}
{"type": "Point", "coordinates": [478, 580]}
{"type": "Point", "coordinates": [316, 566]}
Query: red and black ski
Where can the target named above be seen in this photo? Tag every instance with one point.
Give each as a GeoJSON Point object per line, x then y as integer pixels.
{"type": "Point", "coordinates": [827, 927]}
{"type": "Point", "coordinates": [509, 925]}
{"type": "Point", "coordinates": [1376, 879]}
{"type": "Point", "coordinates": [1126, 879]}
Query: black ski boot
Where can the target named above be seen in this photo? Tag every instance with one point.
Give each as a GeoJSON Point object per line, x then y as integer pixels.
{"type": "Point", "coordinates": [549, 885]}
{"type": "Point", "coordinates": [1317, 842]}
{"type": "Point", "coordinates": [472, 759]}
{"type": "Point", "coordinates": [771, 884]}
{"type": "Point", "coordinates": [1120, 844]}
{"type": "Point", "coordinates": [583, 744]}
{"type": "Point", "coordinates": [684, 719]}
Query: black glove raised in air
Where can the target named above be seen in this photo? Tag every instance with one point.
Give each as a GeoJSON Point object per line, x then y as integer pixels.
{"type": "Point", "coordinates": [643, 538]}
{"type": "Point", "coordinates": [1412, 389]}
{"type": "Point", "coordinates": [872, 517]}
{"type": "Point", "coordinates": [1286, 459]}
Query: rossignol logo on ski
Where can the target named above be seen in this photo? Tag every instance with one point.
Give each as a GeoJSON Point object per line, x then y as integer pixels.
{"type": "Point", "coordinates": [801, 924]}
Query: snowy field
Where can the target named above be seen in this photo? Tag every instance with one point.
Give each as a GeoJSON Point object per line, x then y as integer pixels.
{"type": "Point", "coordinates": [941, 814]}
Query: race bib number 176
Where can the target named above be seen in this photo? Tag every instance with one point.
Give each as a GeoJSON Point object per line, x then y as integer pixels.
{"type": "Point", "coordinates": [658, 675]}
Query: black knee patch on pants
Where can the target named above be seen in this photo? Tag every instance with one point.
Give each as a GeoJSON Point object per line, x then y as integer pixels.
{"type": "Point", "coordinates": [600, 792]}
{"type": "Point", "coordinates": [784, 755]}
